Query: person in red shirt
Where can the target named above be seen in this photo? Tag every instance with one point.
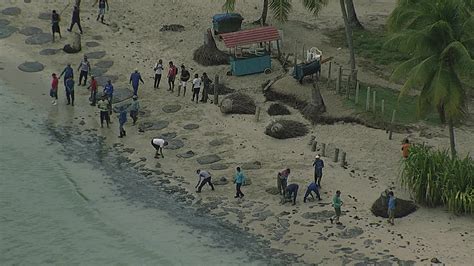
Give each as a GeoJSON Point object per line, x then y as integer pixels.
{"type": "Point", "coordinates": [172, 72]}
{"type": "Point", "coordinates": [54, 89]}
{"type": "Point", "coordinates": [93, 88]}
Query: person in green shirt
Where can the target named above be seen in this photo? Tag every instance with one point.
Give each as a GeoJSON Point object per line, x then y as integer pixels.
{"type": "Point", "coordinates": [336, 203]}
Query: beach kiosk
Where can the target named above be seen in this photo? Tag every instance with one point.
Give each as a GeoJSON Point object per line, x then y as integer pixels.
{"type": "Point", "coordinates": [250, 50]}
{"type": "Point", "coordinates": [228, 22]}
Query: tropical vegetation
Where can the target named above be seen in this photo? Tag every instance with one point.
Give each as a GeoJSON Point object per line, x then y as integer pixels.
{"type": "Point", "coordinates": [438, 36]}
{"type": "Point", "coordinates": [437, 179]}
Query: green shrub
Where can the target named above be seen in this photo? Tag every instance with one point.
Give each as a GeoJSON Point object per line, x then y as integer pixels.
{"type": "Point", "coordinates": [436, 179]}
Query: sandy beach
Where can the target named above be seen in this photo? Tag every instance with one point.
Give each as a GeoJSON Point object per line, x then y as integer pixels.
{"type": "Point", "coordinates": [132, 39]}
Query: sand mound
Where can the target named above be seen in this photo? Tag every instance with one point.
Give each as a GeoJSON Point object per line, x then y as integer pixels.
{"type": "Point", "coordinates": [285, 129]}
{"type": "Point", "coordinates": [402, 207]}
{"type": "Point", "coordinates": [238, 103]}
{"type": "Point", "coordinates": [208, 56]}
{"type": "Point", "coordinates": [278, 109]}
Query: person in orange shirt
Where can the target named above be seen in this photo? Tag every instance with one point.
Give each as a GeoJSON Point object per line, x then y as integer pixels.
{"type": "Point", "coordinates": [405, 148]}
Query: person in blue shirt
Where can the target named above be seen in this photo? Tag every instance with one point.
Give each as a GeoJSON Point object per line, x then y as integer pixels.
{"type": "Point", "coordinates": [68, 72]}
{"type": "Point", "coordinates": [318, 165]}
{"type": "Point", "coordinates": [391, 208]}
{"type": "Point", "coordinates": [313, 187]}
{"type": "Point", "coordinates": [75, 19]}
{"type": "Point", "coordinates": [70, 91]}
{"type": "Point", "coordinates": [122, 118]}
{"type": "Point", "coordinates": [239, 179]}
{"type": "Point", "coordinates": [135, 79]}
{"type": "Point", "coordinates": [292, 191]}
{"type": "Point", "coordinates": [109, 92]}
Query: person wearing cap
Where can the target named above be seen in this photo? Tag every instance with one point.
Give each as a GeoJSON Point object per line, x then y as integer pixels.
{"type": "Point", "coordinates": [185, 76]}
{"type": "Point", "coordinates": [318, 165]}
{"type": "Point", "coordinates": [122, 118]}
{"type": "Point", "coordinates": [55, 23]}
{"type": "Point", "coordinates": [135, 79]}
{"type": "Point", "coordinates": [93, 88]}
{"type": "Point", "coordinates": [103, 105]}
{"type": "Point", "coordinates": [54, 89]}
{"type": "Point", "coordinates": [85, 68]}
{"type": "Point", "coordinates": [158, 144]}
{"type": "Point", "coordinates": [204, 177]}
{"type": "Point", "coordinates": [68, 72]}
{"type": "Point", "coordinates": [313, 187]}
{"type": "Point", "coordinates": [134, 108]}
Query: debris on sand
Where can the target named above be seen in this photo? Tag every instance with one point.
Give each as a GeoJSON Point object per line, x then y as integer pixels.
{"type": "Point", "coordinates": [238, 103]}
{"type": "Point", "coordinates": [285, 129]}
{"type": "Point", "coordinates": [278, 109]}
{"type": "Point", "coordinates": [209, 56]}
{"type": "Point", "coordinates": [402, 207]}
{"type": "Point", "coordinates": [172, 27]}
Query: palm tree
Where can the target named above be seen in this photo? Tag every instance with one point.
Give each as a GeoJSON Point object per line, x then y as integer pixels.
{"type": "Point", "coordinates": [348, 30]}
{"type": "Point", "coordinates": [439, 37]}
{"type": "Point", "coordinates": [352, 15]}
{"type": "Point", "coordinates": [280, 8]}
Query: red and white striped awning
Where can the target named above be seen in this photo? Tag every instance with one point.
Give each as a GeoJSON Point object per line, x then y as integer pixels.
{"type": "Point", "coordinates": [246, 37]}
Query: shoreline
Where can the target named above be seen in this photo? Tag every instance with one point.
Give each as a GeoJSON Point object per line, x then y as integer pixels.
{"type": "Point", "coordinates": [259, 213]}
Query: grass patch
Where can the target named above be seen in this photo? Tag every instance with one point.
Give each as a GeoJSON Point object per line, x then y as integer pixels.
{"type": "Point", "coordinates": [406, 106]}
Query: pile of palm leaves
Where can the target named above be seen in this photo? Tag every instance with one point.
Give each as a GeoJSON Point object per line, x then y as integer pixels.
{"type": "Point", "coordinates": [402, 207]}
{"type": "Point", "coordinates": [285, 129]}
{"type": "Point", "coordinates": [238, 103]}
{"type": "Point", "coordinates": [437, 179]}
{"type": "Point", "coordinates": [207, 55]}
{"type": "Point", "coordinates": [278, 109]}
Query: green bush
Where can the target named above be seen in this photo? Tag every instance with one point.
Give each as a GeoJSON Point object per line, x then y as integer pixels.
{"type": "Point", "coordinates": [436, 179]}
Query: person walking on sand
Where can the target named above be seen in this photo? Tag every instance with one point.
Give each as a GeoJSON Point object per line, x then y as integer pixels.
{"type": "Point", "coordinates": [391, 208]}
{"type": "Point", "coordinates": [292, 191]}
{"type": "Point", "coordinates": [406, 148]}
{"type": "Point", "coordinates": [103, 105]}
{"type": "Point", "coordinates": [239, 180]}
{"type": "Point", "coordinates": [85, 68]}
{"type": "Point", "coordinates": [313, 187]}
{"type": "Point", "coordinates": [196, 87]}
{"type": "Point", "coordinates": [336, 203]}
{"type": "Point", "coordinates": [54, 89]}
{"type": "Point", "coordinates": [282, 180]}
{"type": "Point", "coordinates": [93, 88]}
{"type": "Point", "coordinates": [135, 79]}
{"type": "Point", "coordinates": [134, 108]}
{"type": "Point", "coordinates": [68, 72]}
{"type": "Point", "coordinates": [109, 93]}
{"type": "Point", "coordinates": [55, 24]}
{"type": "Point", "coordinates": [184, 77]}
{"type": "Point", "coordinates": [122, 118]}
{"type": "Point", "coordinates": [159, 144]}
{"type": "Point", "coordinates": [206, 81]}
{"type": "Point", "coordinates": [102, 5]}
{"type": "Point", "coordinates": [158, 72]}
{"type": "Point", "coordinates": [70, 91]}
{"type": "Point", "coordinates": [172, 72]}
{"type": "Point", "coordinates": [204, 177]}
{"type": "Point", "coordinates": [76, 19]}
{"type": "Point", "coordinates": [318, 165]}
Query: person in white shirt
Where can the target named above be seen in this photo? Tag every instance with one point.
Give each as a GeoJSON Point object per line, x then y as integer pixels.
{"type": "Point", "coordinates": [196, 87]}
{"type": "Point", "coordinates": [204, 177]}
{"type": "Point", "coordinates": [159, 144]}
{"type": "Point", "coordinates": [158, 72]}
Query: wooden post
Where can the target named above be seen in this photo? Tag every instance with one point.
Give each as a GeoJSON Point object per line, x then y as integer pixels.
{"type": "Point", "coordinates": [373, 101]}
{"type": "Point", "coordinates": [216, 90]}
{"type": "Point", "coordinates": [296, 54]}
{"type": "Point", "coordinates": [367, 101]}
{"type": "Point", "coordinates": [343, 159]}
{"type": "Point", "coordinates": [323, 149]}
{"type": "Point", "coordinates": [339, 79]}
{"type": "Point", "coordinates": [329, 72]}
{"type": "Point", "coordinates": [357, 93]}
{"type": "Point", "coordinates": [304, 56]}
{"type": "Point", "coordinates": [257, 114]}
{"type": "Point", "coordinates": [314, 146]}
{"type": "Point", "coordinates": [383, 107]}
{"type": "Point", "coordinates": [278, 48]}
{"type": "Point", "coordinates": [348, 86]}
{"type": "Point", "coordinates": [336, 155]}
{"type": "Point", "coordinates": [391, 125]}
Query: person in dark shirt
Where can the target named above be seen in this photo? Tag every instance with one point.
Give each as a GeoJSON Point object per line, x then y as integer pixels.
{"type": "Point", "coordinates": [135, 79]}
{"type": "Point", "coordinates": [76, 19]}
{"type": "Point", "coordinates": [122, 118]}
{"type": "Point", "coordinates": [313, 187]}
{"type": "Point", "coordinates": [102, 5]}
{"type": "Point", "coordinates": [206, 81]}
{"type": "Point", "coordinates": [70, 91]}
{"type": "Point", "coordinates": [318, 165]}
{"type": "Point", "coordinates": [292, 191]}
{"type": "Point", "coordinates": [55, 24]}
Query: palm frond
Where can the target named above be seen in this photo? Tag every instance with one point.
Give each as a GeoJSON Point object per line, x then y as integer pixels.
{"type": "Point", "coordinates": [281, 9]}
{"type": "Point", "coordinates": [229, 5]}
{"type": "Point", "coordinates": [420, 75]}
{"type": "Point", "coordinates": [459, 58]}
{"type": "Point", "coordinates": [315, 6]}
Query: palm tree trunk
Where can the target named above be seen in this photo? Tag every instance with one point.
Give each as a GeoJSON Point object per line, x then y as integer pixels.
{"type": "Point", "coordinates": [348, 36]}
{"type": "Point", "coordinates": [352, 16]}
{"type": "Point", "coordinates": [263, 18]}
{"type": "Point", "coordinates": [451, 138]}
